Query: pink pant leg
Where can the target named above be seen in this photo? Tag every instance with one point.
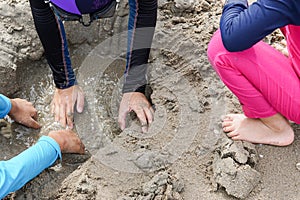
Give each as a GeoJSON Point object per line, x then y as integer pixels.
{"type": "Point", "coordinates": [261, 77]}
{"type": "Point", "coordinates": [292, 36]}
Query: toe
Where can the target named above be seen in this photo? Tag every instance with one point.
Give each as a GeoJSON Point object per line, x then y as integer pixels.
{"type": "Point", "coordinates": [226, 123]}
{"type": "Point", "coordinates": [228, 128]}
{"type": "Point", "coordinates": [227, 118]}
{"type": "Point", "coordinates": [237, 137]}
{"type": "Point", "coordinates": [233, 134]}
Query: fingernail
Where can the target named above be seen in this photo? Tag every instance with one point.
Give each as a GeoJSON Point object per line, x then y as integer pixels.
{"type": "Point", "coordinates": [145, 130]}
{"type": "Point", "coordinates": [69, 127]}
{"type": "Point", "coordinates": [80, 109]}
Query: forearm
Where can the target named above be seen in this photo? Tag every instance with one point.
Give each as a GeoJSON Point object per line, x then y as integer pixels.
{"type": "Point", "coordinates": [17, 171]}
{"type": "Point", "coordinates": [5, 106]}
{"type": "Point", "coordinates": [242, 26]}
{"type": "Point", "coordinates": [141, 27]}
{"type": "Point", "coordinates": [52, 35]}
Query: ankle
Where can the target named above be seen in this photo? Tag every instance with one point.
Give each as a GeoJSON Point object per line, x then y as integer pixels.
{"type": "Point", "coordinates": [277, 123]}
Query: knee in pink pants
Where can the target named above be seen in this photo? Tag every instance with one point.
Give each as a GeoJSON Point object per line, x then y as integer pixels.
{"type": "Point", "coordinates": [263, 79]}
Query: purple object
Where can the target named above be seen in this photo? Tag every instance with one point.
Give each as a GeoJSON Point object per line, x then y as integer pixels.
{"type": "Point", "coordinates": [67, 5]}
{"type": "Point", "coordinates": [80, 6]}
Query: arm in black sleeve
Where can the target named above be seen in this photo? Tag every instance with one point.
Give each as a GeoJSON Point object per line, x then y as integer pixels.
{"type": "Point", "coordinates": [141, 26]}
{"type": "Point", "coordinates": [52, 35]}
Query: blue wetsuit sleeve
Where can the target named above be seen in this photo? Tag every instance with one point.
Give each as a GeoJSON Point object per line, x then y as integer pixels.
{"type": "Point", "coordinates": [141, 27]}
{"type": "Point", "coordinates": [242, 26]}
{"type": "Point", "coordinates": [5, 106]}
{"type": "Point", "coordinates": [14, 173]}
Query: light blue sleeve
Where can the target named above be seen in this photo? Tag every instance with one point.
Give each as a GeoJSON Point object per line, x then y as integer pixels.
{"type": "Point", "coordinates": [5, 106]}
{"type": "Point", "coordinates": [17, 171]}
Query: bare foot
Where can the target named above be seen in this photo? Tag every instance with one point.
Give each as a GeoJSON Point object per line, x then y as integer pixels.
{"type": "Point", "coordinates": [68, 141]}
{"type": "Point", "coordinates": [274, 130]}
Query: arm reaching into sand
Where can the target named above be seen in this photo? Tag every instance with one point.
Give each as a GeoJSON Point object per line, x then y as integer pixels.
{"type": "Point", "coordinates": [141, 26]}
{"type": "Point", "coordinates": [17, 171]}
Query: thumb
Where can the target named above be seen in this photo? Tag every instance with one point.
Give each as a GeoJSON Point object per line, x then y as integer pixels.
{"type": "Point", "coordinates": [80, 102]}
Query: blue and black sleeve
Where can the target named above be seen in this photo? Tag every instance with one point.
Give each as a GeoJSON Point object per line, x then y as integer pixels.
{"type": "Point", "coordinates": [53, 37]}
{"type": "Point", "coordinates": [141, 27]}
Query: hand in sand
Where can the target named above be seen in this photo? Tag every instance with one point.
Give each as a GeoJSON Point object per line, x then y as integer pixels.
{"type": "Point", "coordinates": [63, 104]}
{"type": "Point", "coordinates": [24, 113]}
{"type": "Point", "coordinates": [137, 102]}
{"type": "Point", "coordinates": [68, 141]}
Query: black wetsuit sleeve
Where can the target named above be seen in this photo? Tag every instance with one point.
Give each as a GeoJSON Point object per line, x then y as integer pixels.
{"type": "Point", "coordinates": [52, 35]}
{"type": "Point", "coordinates": [141, 27]}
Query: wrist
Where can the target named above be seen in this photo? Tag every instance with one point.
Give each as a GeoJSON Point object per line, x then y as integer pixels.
{"type": "Point", "coordinates": [66, 84]}
{"type": "Point", "coordinates": [14, 107]}
{"type": "Point", "coordinates": [140, 89]}
{"type": "Point", "coordinates": [58, 139]}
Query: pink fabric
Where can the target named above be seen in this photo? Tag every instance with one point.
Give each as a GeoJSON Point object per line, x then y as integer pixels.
{"type": "Point", "coordinates": [292, 35]}
{"type": "Point", "coordinates": [263, 79]}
